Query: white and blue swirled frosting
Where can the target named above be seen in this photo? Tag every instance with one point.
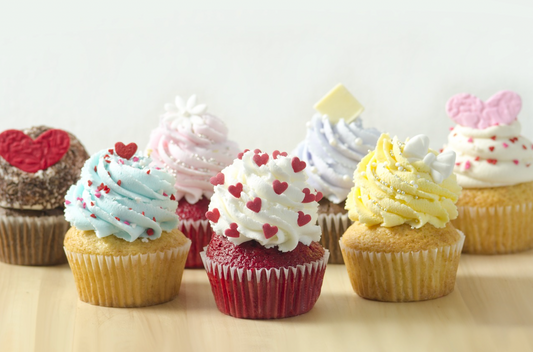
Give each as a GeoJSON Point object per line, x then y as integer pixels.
{"type": "Point", "coordinates": [124, 197]}
{"type": "Point", "coordinates": [332, 152]}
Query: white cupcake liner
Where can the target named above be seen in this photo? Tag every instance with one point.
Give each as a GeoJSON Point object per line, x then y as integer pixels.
{"type": "Point", "coordinates": [333, 227]}
{"type": "Point", "coordinates": [266, 293]}
{"type": "Point", "coordinates": [32, 240]}
{"type": "Point", "coordinates": [200, 233]}
{"type": "Point", "coordinates": [128, 281]}
{"type": "Point", "coordinates": [403, 276]}
{"type": "Point", "coordinates": [496, 230]}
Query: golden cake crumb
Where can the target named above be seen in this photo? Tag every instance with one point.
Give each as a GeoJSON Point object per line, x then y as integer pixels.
{"type": "Point", "coordinates": [88, 243]}
{"type": "Point", "coordinates": [400, 238]}
{"type": "Point", "coordinates": [496, 196]}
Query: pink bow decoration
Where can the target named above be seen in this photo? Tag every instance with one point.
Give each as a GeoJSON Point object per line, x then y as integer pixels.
{"type": "Point", "coordinates": [470, 111]}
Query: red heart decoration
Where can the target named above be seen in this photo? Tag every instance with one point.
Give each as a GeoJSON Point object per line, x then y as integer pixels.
{"type": "Point", "coordinates": [303, 218]}
{"type": "Point", "coordinates": [308, 198]}
{"type": "Point", "coordinates": [491, 148]}
{"type": "Point", "coordinates": [232, 231]}
{"type": "Point", "coordinates": [260, 159]}
{"type": "Point", "coordinates": [318, 196]}
{"type": "Point", "coordinates": [217, 180]}
{"type": "Point", "coordinates": [241, 154]}
{"type": "Point", "coordinates": [235, 190]}
{"type": "Point", "coordinates": [279, 187]}
{"type": "Point", "coordinates": [276, 153]}
{"type": "Point", "coordinates": [32, 155]}
{"type": "Point", "coordinates": [269, 231]}
{"type": "Point", "coordinates": [297, 164]}
{"type": "Point", "coordinates": [125, 151]}
{"type": "Point", "coordinates": [213, 215]}
{"type": "Point", "coordinates": [254, 205]}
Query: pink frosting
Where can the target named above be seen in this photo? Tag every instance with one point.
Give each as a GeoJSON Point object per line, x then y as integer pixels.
{"type": "Point", "coordinates": [193, 148]}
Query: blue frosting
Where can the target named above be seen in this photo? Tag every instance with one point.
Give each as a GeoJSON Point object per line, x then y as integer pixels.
{"type": "Point", "coordinates": [121, 197]}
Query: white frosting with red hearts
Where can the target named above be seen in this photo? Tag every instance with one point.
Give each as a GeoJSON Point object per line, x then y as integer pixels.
{"type": "Point", "coordinates": [491, 157]}
{"type": "Point", "coordinates": [295, 221]}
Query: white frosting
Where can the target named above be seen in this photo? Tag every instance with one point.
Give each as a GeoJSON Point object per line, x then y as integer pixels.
{"type": "Point", "coordinates": [281, 210]}
{"type": "Point", "coordinates": [492, 157]}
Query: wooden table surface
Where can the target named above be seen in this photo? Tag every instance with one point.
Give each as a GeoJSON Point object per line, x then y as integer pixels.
{"type": "Point", "coordinates": [491, 309]}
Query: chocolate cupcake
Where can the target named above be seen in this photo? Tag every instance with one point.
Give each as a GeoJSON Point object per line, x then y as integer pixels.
{"type": "Point", "coordinates": [37, 166]}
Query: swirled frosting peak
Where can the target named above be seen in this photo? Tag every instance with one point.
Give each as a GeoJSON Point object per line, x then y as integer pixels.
{"type": "Point", "coordinates": [332, 152]}
{"type": "Point", "coordinates": [404, 183]}
{"type": "Point", "coordinates": [265, 198]}
{"type": "Point", "coordinates": [193, 146]}
{"type": "Point", "coordinates": [120, 194]}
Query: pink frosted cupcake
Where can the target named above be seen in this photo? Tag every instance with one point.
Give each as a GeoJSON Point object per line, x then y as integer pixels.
{"type": "Point", "coordinates": [192, 145]}
{"type": "Point", "coordinates": [264, 260]}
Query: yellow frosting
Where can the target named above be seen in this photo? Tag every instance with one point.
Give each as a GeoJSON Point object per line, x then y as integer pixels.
{"type": "Point", "coordinates": [391, 190]}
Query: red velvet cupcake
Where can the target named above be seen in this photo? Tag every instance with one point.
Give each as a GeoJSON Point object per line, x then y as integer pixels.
{"type": "Point", "coordinates": [193, 146]}
{"type": "Point", "coordinates": [264, 260]}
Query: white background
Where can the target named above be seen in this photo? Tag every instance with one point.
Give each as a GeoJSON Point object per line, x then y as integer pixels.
{"type": "Point", "coordinates": [104, 71]}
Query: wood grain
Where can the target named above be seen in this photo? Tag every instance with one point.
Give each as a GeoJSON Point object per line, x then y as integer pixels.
{"type": "Point", "coordinates": [491, 309]}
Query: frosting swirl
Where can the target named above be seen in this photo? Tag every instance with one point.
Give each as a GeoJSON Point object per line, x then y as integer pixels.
{"type": "Point", "coordinates": [395, 185]}
{"type": "Point", "coordinates": [332, 152]}
{"type": "Point", "coordinates": [122, 197]}
{"type": "Point", "coordinates": [266, 199]}
{"type": "Point", "coordinates": [491, 157]}
{"type": "Point", "coordinates": [193, 146]}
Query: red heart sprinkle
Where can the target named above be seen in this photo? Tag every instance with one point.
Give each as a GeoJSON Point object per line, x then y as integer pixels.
{"type": "Point", "coordinates": [218, 179]}
{"type": "Point", "coordinates": [90, 183]}
{"type": "Point", "coordinates": [241, 154]}
{"type": "Point", "coordinates": [515, 161]}
{"type": "Point", "coordinates": [149, 232]}
{"type": "Point", "coordinates": [493, 138]}
{"type": "Point", "coordinates": [148, 172]}
{"type": "Point", "coordinates": [254, 205]}
{"type": "Point", "coordinates": [477, 158]}
{"type": "Point", "coordinates": [213, 215]}
{"type": "Point", "coordinates": [308, 198]}
{"type": "Point", "coordinates": [257, 151]}
{"type": "Point", "coordinates": [232, 231]}
{"type": "Point", "coordinates": [125, 151]}
{"type": "Point", "coordinates": [492, 161]}
{"type": "Point", "coordinates": [269, 230]}
{"type": "Point", "coordinates": [277, 153]}
{"type": "Point", "coordinates": [172, 197]}
{"type": "Point", "coordinates": [111, 151]}
{"type": "Point", "coordinates": [119, 182]}
{"type": "Point", "coordinates": [32, 155]}
{"type": "Point", "coordinates": [318, 196]}
{"type": "Point", "coordinates": [279, 187]}
{"type": "Point", "coordinates": [235, 190]}
{"type": "Point", "coordinates": [260, 159]}
{"type": "Point", "coordinates": [297, 164]}
{"type": "Point", "coordinates": [491, 148]}
{"type": "Point", "coordinates": [303, 218]}
{"type": "Point", "coordinates": [524, 147]}
{"type": "Point", "coordinates": [93, 216]}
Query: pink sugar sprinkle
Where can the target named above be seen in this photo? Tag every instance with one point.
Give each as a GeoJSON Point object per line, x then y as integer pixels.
{"type": "Point", "coordinates": [121, 161]}
{"type": "Point", "coordinates": [135, 158]}
{"type": "Point", "coordinates": [97, 194]}
{"type": "Point", "coordinates": [67, 202]}
{"type": "Point", "coordinates": [470, 140]}
{"type": "Point", "coordinates": [515, 161]}
{"type": "Point", "coordinates": [126, 222]}
{"type": "Point", "coordinates": [80, 199]}
{"type": "Point", "coordinates": [451, 128]}
{"type": "Point", "coordinates": [165, 195]}
{"type": "Point", "coordinates": [157, 168]}
{"type": "Point", "coordinates": [505, 145]}
{"type": "Point", "coordinates": [457, 164]}
{"type": "Point", "coordinates": [84, 205]}
{"type": "Point", "coordinates": [467, 165]}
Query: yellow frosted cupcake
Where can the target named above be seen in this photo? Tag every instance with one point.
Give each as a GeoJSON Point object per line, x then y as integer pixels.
{"type": "Point", "coordinates": [124, 247]}
{"type": "Point", "coordinates": [495, 168]}
{"type": "Point", "coordinates": [401, 246]}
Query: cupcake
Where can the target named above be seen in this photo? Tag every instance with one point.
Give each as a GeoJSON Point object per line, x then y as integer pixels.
{"type": "Point", "coordinates": [335, 143]}
{"type": "Point", "coordinates": [37, 166]}
{"type": "Point", "coordinates": [402, 246]}
{"type": "Point", "coordinates": [192, 145]}
{"type": "Point", "coordinates": [494, 167]}
{"type": "Point", "coordinates": [264, 260]}
{"type": "Point", "coordinates": [124, 247]}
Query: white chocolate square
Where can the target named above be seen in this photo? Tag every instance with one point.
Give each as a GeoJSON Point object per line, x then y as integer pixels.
{"type": "Point", "coordinates": [339, 103]}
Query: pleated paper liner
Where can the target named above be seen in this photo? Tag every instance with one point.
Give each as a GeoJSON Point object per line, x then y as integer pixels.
{"type": "Point", "coordinates": [403, 276]}
{"type": "Point", "coordinates": [129, 281]}
{"type": "Point", "coordinates": [266, 293]}
{"type": "Point", "coordinates": [496, 230]}
{"type": "Point", "coordinates": [32, 240]}
{"type": "Point", "coordinates": [333, 227]}
{"type": "Point", "coordinates": [199, 232]}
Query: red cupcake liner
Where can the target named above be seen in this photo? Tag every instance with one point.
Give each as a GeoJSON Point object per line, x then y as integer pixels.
{"type": "Point", "coordinates": [266, 293]}
{"type": "Point", "coordinates": [199, 232]}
